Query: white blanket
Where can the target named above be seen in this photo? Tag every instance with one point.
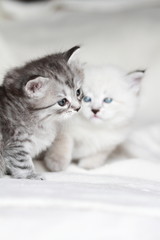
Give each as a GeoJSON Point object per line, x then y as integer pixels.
{"type": "Point", "coordinates": [80, 206]}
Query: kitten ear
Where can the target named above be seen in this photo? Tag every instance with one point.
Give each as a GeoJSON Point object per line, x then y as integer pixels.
{"type": "Point", "coordinates": [69, 53]}
{"type": "Point", "coordinates": [36, 88]}
{"type": "Point", "coordinates": [134, 79]}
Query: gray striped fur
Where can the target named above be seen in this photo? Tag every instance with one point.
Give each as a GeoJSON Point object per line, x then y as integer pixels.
{"type": "Point", "coordinates": [26, 120]}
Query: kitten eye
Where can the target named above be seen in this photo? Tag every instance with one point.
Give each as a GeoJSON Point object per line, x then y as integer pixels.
{"type": "Point", "coordinates": [78, 92]}
{"type": "Point", "coordinates": [108, 100]}
{"type": "Point", "coordinates": [87, 99]}
{"type": "Point", "coordinates": [62, 102]}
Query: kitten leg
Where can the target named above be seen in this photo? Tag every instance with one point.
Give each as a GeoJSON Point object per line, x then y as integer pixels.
{"type": "Point", "coordinates": [59, 155]}
{"type": "Point", "coordinates": [19, 163]}
{"type": "Point", "coordinates": [2, 162]}
{"type": "Point", "coordinates": [2, 166]}
{"type": "Point", "coordinates": [93, 161]}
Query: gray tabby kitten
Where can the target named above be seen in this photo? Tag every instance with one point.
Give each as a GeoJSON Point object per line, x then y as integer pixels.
{"type": "Point", "coordinates": [34, 101]}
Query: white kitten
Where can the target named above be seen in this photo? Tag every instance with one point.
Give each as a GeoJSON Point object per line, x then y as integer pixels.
{"type": "Point", "coordinates": [108, 108]}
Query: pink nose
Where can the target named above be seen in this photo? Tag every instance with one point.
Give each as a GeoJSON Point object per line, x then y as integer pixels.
{"type": "Point", "coordinates": [95, 111]}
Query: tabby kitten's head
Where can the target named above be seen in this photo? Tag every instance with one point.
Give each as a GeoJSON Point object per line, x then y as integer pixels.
{"type": "Point", "coordinates": [50, 85]}
{"type": "Point", "coordinates": [110, 94]}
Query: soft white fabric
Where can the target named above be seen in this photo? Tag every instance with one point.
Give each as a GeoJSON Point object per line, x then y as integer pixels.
{"type": "Point", "coordinates": [122, 199]}
{"type": "Point", "coordinates": [80, 206]}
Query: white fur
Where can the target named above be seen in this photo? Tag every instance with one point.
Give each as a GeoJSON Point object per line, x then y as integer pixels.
{"type": "Point", "coordinates": [96, 137]}
{"type": "Point", "coordinates": [43, 137]}
{"type": "Point", "coordinates": [144, 143]}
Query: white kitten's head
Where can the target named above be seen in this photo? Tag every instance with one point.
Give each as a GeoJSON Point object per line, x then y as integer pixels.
{"type": "Point", "coordinates": [110, 94]}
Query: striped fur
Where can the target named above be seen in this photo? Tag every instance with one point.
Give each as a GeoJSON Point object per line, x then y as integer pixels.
{"type": "Point", "coordinates": [30, 116]}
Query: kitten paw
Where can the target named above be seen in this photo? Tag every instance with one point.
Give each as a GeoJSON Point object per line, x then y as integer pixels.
{"type": "Point", "coordinates": [56, 165]}
{"type": "Point", "coordinates": [35, 176]}
{"type": "Point", "coordinates": [88, 163]}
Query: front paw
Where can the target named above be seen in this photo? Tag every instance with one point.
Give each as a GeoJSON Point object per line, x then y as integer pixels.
{"type": "Point", "coordinates": [89, 163]}
{"type": "Point", "coordinates": [56, 165]}
{"type": "Point", "coordinates": [35, 176]}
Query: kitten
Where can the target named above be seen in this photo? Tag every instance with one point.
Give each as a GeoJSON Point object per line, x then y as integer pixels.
{"type": "Point", "coordinates": [34, 101]}
{"type": "Point", "coordinates": [109, 105]}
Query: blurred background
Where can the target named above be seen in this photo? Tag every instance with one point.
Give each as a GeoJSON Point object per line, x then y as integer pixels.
{"type": "Point", "coordinates": [121, 32]}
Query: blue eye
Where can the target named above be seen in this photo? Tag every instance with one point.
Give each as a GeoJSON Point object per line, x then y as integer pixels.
{"type": "Point", "coordinates": [87, 99]}
{"type": "Point", "coordinates": [62, 102]}
{"type": "Point", "coordinates": [108, 100]}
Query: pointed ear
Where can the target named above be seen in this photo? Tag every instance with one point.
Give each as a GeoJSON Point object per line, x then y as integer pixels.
{"type": "Point", "coordinates": [37, 87]}
{"type": "Point", "coordinates": [69, 53]}
{"type": "Point", "coordinates": [134, 78]}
